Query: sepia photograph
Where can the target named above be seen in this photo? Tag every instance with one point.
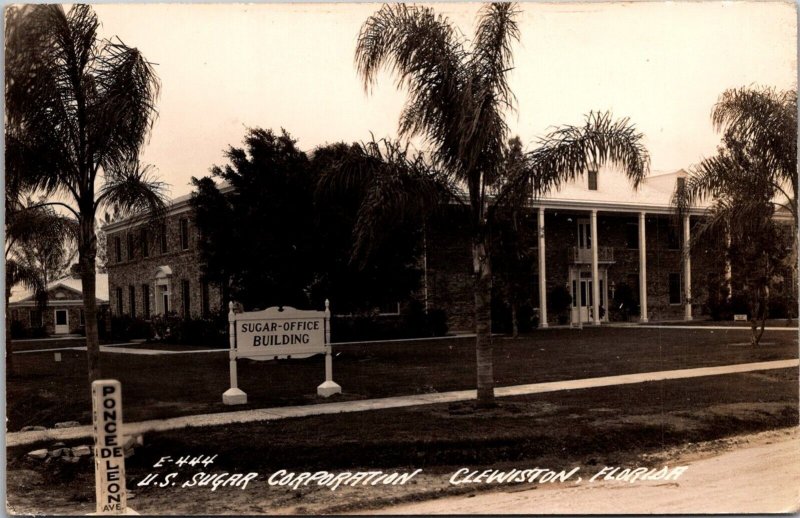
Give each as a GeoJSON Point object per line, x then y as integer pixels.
{"type": "Point", "coordinates": [534, 258]}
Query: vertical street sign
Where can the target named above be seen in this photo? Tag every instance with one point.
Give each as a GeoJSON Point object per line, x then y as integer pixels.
{"type": "Point", "coordinates": [109, 458]}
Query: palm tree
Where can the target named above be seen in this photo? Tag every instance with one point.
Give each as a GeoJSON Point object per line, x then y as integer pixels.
{"type": "Point", "coordinates": [458, 94]}
{"type": "Point", "coordinates": [753, 174]}
{"type": "Point", "coordinates": [35, 249]}
{"type": "Point", "coordinates": [78, 110]}
{"type": "Point", "coordinates": [758, 152]}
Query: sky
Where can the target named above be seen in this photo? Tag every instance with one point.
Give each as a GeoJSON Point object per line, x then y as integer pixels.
{"type": "Point", "coordinates": [228, 67]}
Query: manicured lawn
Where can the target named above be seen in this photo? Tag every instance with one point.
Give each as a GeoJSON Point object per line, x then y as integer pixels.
{"type": "Point", "coordinates": [610, 426]}
{"type": "Point", "coordinates": [46, 392]}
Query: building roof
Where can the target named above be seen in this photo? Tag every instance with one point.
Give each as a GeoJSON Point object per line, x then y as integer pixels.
{"type": "Point", "coordinates": [20, 295]}
{"type": "Point", "coordinates": [174, 206]}
{"type": "Point", "coordinates": [615, 193]}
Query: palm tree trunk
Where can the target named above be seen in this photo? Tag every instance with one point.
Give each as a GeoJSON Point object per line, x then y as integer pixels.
{"type": "Point", "coordinates": [514, 323]}
{"type": "Point", "coordinates": [760, 317]}
{"type": "Point", "coordinates": [88, 252]}
{"type": "Point", "coordinates": [483, 322]}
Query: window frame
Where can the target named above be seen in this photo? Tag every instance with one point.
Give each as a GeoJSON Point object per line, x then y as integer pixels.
{"type": "Point", "coordinates": [144, 244]}
{"type": "Point", "coordinates": [592, 183]}
{"type": "Point", "coordinates": [146, 301]}
{"type": "Point", "coordinates": [118, 248]}
{"type": "Point", "coordinates": [186, 298]}
{"type": "Point", "coordinates": [164, 246]}
{"type": "Point", "coordinates": [132, 300]}
{"type": "Point", "coordinates": [130, 247]}
{"type": "Point", "coordinates": [120, 301]}
{"type": "Point", "coordinates": [184, 233]}
{"type": "Point", "coordinates": [632, 230]}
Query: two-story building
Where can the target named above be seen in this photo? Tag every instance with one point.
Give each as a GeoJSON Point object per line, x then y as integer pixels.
{"type": "Point", "coordinates": [594, 234]}
{"type": "Point", "coordinates": [154, 269]}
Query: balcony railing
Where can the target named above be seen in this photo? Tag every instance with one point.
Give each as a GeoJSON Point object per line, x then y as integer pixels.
{"type": "Point", "coordinates": [605, 254]}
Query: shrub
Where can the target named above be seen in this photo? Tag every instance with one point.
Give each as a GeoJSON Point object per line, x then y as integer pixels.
{"type": "Point", "coordinates": [624, 304]}
{"type": "Point", "coordinates": [412, 322]}
{"type": "Point", "coordinates": [126, 327]}
{"type": "Point", "coordinates": [20, 331]}
{"type": "Point", "coordinates": [501, 315]}
{"type": "Point", "coordinates": [782, 306]}
{"type": "Point", "coordinates": [559, 301]}
{"type": "Point", "coordinates": [211, 331]}
{"type": "Point", "coordinates": [527, 318]}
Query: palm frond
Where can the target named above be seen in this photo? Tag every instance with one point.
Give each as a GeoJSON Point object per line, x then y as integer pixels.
{"type": "Point", "coordinates": [570, 151]}
{"type": "Point", "coordinates": [133, 190]}
{"type": "Point", "coordinates": [492, 55]}
{"type": "Point", "coordinates": [764, 117]}
{"type": "Point", "coordinates": [755, 164]}
{"type": "Point", "coordinates": [124, 105]}
{"type": "Point", "coordinates": [21, 274]}
{"type": "Point", "coordinates": [428, 57]}
{"type": "Point", "coordinates": [394, 184]}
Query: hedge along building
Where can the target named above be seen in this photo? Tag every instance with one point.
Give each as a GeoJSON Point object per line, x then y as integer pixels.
{"type": "Point", "coordinates": [593, 236]}
{"type": "Point", "coordinates": [64, 311]}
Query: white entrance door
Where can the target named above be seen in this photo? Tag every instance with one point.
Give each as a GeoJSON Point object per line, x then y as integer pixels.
{"type": "Point", "coordinates": [62, 322]}
{"type": "Point", "coordinates": [582, 298]}
{"type": "Point", "coordinates": [585, 300]}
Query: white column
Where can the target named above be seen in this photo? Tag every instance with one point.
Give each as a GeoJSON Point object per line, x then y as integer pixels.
{"type": "Point", "coordinates": [542, 273]}
{"type": "Point", "coordinates": [642, 269]}
{"type": "Point", "coordinates": [687, 268]}
{"type": "Point", "coordinates": [595, 272]}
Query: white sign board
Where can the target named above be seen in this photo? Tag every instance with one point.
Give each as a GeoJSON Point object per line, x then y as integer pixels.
{"type": "Point", "coordinates": [740, 318]}
{"type": "Point", "coordinates": [280, 333]}
{"type": "Point", "coordinates": [109, 458]}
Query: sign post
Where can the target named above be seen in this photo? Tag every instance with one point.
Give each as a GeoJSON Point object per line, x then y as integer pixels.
{"type": "Point", "coordinates": [234, 395]}
{"type": "Point", "coordinates": [328, 387]}
{"type": "Point", "coordinates": [109, 457]}
{"type": "Point", "coordinates": [279, 333]}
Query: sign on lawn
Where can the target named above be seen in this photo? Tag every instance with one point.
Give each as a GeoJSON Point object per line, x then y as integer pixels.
{"type": "Point", "coordinates": [280, 333]}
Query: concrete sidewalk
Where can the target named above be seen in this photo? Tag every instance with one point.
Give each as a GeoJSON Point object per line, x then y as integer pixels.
{"type": "Point", "coordinates": [271, 414]}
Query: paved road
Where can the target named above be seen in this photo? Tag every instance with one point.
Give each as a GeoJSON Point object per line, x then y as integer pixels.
{"type": "Point", "coordinates": [761, 476]}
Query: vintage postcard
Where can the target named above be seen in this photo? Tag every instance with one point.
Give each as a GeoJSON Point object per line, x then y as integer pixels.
{"type": "Point", "coordinates": [359, 258]}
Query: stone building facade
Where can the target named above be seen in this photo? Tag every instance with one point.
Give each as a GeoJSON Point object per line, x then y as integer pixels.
{"type": "Point", "coordinates": [64, 312]}
{"type": "Point", "coordinates": [591, 229]}
{"type": "Point", "coordinates": [450, 273]}
{"type": "Point", "coordinates": [156, 268]}
{"type": "Point", "coordinates": [589, 237]}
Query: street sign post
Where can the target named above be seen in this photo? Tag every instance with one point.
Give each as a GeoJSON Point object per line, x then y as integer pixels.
{"type": "Point", "coordinates": [109, 455]}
